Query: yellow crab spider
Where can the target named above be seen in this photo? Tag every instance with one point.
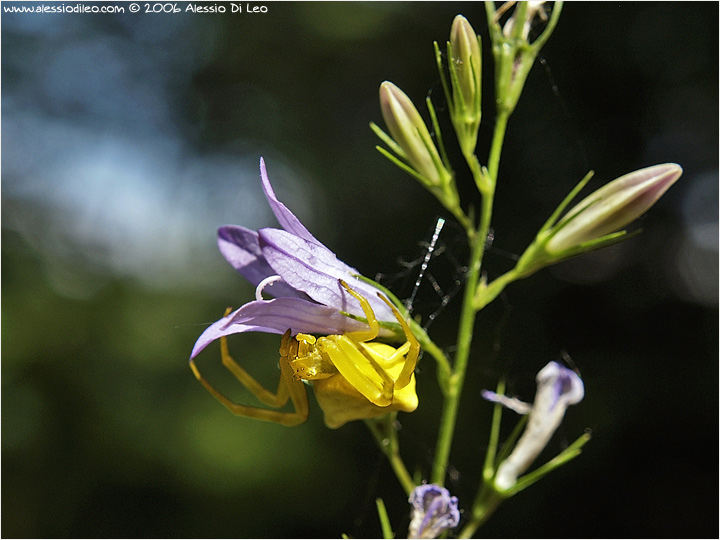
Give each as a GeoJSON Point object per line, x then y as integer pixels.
{"type": "Point", "coordinates": [353, 377]}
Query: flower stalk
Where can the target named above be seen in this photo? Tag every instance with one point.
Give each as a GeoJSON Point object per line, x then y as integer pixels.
{"type": "Point", "coordinates": [385, 434]}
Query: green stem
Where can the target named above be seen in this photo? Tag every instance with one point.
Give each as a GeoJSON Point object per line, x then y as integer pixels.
{"type": "Point", "coordinates": [454, 390]}
{"type": "Point", "coordinates": [480, 179]}
{"type": "Point", "coordinates": [487, 502]}
{"type": "Point", "coordinates": [467, 317]}
{"type": "Point", "coordinates": [497, 143]}
{"type": "Point", "coordinates": [486, 293]}
{"type": "Point", "coordinates": [458, 213]}
{"type": "Point", "coordinates": [387, 440]}
{"type": "Point", "coordinates": [427, 344]}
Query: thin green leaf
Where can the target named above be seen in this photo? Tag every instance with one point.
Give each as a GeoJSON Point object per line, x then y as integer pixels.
{"type": "Point", "coordinates": [509, 443]}
{"type": "Point", "coordinates": [489, 467]}
{"type": "Point", "coordinates": [443, 80]}
{"type": "Point", "coordinates": [387, 139]}
{"type": "Point", "coordinates": [571, 452]}
{"type": "Point", "coordinates": [540, 41]}
{"type": "Point", "coordinates": [567, 200]}
{"type": "Point", "coordinates": [436, 127]}
{"type": "Point", "coordinates": [405, 167]}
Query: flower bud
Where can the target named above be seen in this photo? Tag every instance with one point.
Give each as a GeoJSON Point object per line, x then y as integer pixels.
{"type": "Point", "coordinates": [409, 131]}
{"type": "Point", "coordinates": [612, 207]}
{"type": "Point", "coordinates": [466, 64]}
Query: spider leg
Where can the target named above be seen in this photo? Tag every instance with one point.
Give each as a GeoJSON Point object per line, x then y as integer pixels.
{"type": "Point", "coordinates": [359, 369]}
{"type": "Point", "coordinates": [363, 335]}
{"type": "Point", "coordinates": [276, 400]}
{"type": "Point", "coordinates": [413, 350]}
{"type": "Point", "coordinates": [288, 387]}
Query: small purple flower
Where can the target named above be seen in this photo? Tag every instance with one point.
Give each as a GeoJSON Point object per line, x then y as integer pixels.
{"type": "Point", "coordinates": [558, 388]}
{"type": "Point", "coordinates": [434, 511]}
{"type": "Point", "coordinates": [300, 272]}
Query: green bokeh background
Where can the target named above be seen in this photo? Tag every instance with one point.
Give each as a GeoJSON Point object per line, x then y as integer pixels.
{"type": "Point", "coordinates": [127, 139]}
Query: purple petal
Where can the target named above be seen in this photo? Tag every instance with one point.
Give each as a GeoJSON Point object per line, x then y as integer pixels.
{"type": "Point", "coordinates": [563, 386]}
{"type": "Point", "coordinates": [241, 249]}
{"type": "Point", "coordinates": [285, 217]}
{"type": "Point", "coordinates": [219, 329]}
{"type": "Point", "coordinates": [276, 316]}
{"type": "Point", "coordinates": [315, 270]}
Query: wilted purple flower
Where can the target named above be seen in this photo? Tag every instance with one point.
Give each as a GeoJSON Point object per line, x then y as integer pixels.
{"type": "Point", "coordinates": [299, 271]}
{"type": "Point", "coordinates": [558, 388]}
{"type": "Point", "coordinates": [434, 511]}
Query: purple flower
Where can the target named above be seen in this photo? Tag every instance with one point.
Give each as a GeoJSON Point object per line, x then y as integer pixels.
{"type": "Point", "coordinates": [434, 511]}
{"type": "Point", "coordinates": [299, 271]}
{"type": "Point", "coordinates": [558, 388]}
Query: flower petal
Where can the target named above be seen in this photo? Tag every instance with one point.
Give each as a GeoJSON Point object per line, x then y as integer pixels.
{"type": "Point", "coordinates": [276, 316]}
{"type": "Point", "coordinates": [285, 217]}
{"type": "Point", "coordinates": [241, 248]}
{"type": "Point", "coordinates": [219, 329]}
{"type": "Point", "coordinates": [315, 270]}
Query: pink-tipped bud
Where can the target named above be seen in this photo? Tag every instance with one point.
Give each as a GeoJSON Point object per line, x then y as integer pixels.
{"type": "Point", "coordinates": [407, 128]}
{"type": "Point", "coordinates": [613, 206]}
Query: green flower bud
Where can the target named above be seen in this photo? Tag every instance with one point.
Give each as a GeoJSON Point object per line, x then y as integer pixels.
{"type": "Point", "coordinates": [596, 221]}
{"type": "Point", "coordinates": [466, 63]}
{"type": "Point", "coordinates": [593, 223]}
{"type": "Point", "coordinates": [612, 207]}
{"type": "Point", "coordinates": [410, 133]}
{"type": "Point", "coordinates": [465, 68]}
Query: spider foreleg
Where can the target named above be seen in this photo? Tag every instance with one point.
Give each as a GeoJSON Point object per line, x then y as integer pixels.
{"type": "Point", "coordinates": [372, 332]}
{"type": "Point", "coordinates": [413, 351]}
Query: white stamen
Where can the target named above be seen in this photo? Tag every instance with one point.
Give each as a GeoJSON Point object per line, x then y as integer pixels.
{"type": "Point", "coordinates": [264, 283]}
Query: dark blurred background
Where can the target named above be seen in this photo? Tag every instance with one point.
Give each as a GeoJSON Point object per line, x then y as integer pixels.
{"type": "Point", "coordinates": [127, 139]}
